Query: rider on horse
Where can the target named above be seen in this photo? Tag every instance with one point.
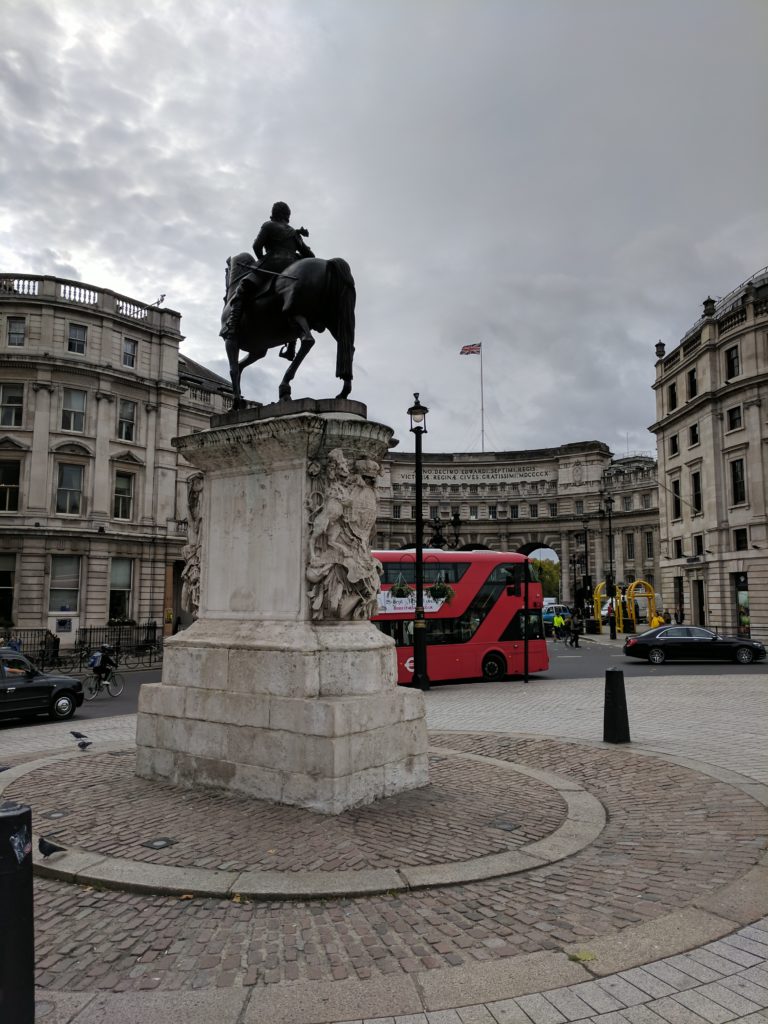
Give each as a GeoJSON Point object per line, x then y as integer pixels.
{"type": "Point", "coordinates": [277, 245]}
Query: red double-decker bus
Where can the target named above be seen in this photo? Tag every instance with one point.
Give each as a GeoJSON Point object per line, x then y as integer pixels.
{"type": "Point", "coordinates": [479, 607]}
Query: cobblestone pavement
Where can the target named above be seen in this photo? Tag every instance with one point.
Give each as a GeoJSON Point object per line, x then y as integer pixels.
{"type": "Point", "coordinates": [469, 810]}
{"type": "Point", "coordinates": [673, 834]}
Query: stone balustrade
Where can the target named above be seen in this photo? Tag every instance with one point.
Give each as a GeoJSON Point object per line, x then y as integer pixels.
{"type": "Point", "coordinates": [56, 289]}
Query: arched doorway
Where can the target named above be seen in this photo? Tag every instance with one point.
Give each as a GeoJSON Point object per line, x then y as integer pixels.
{"type": "Point", "coordinates": [548, 567]}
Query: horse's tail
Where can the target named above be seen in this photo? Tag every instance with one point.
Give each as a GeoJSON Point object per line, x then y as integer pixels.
{"type": "Point", "coordinates": [341, 298]}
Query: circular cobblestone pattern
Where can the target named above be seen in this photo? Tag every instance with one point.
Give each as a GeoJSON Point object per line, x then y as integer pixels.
{"type": "Point", "coordinates": [673, 835]}
{"type": "Point", "coordinates": [468, 810]}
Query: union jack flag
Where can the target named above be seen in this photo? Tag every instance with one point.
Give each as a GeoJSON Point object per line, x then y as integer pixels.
{"type": "Point", "coordinates": [471, 350]}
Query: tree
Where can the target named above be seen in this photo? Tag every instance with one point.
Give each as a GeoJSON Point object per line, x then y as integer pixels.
{"type": "Point", "coordinates": [549, 574]}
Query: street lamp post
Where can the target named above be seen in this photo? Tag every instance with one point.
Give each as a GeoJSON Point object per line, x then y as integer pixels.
{"type": "Point", "coordinates": [587, 581]}
{"type": "Point", "coordinates": [610, 582]}
{"type": "Point", "coordinates": [418, 417]}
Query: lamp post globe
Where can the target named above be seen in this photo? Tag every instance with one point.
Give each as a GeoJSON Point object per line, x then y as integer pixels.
{"type": "Point", "coordinates": [418, 426]}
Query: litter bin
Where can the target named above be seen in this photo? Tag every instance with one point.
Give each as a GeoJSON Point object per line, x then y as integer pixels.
{"type": "Point", "coordinates": [17, 929]}
{"type": "Point", "coordinates": [591, 626]}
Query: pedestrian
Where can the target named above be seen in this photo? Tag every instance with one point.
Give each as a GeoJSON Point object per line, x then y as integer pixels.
{"type": "Point", "coordinates": [679, 616]}
{"type": "Point", "coordinates": [577, 624]}
{"type": "Point", "coordinates": [558, 625]}
{"type": "Point", "coordinates": [667, 617]}
{"type": "Point", "coordinates": [657, 620]}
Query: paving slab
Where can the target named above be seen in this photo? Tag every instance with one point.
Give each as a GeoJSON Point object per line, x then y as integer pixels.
{"type": "Point", "coordinates": [742, 900]}
{"type": "Point", "coordinates": [673, 933]}
{"type": "Point", "coordinates": [324, 1001]}
{"type": "Point", "coordinates": [488, 982]}
{"type": "Point", "coordinates": [221, 1006]}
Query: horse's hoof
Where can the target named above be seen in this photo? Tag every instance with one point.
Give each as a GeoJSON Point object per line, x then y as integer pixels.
{"type": "Point", "coordinates": [284, 393]}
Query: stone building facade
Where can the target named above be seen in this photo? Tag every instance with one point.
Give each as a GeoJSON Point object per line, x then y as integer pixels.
{"type": "Point", "coordinates": [711, 434]}
{"type": "Point", "coordinates": [521, 501]}
{"type": "Point", "coordinates": [92, 493]}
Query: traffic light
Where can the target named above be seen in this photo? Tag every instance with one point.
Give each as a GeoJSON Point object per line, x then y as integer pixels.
{"type": "Point", "coordinates": [610, 586]}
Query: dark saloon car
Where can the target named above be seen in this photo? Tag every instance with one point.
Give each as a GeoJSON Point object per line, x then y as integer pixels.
{"type": "Point", "coordinates": [692, 643]}
{"type": "Point", "coordinates": [26, 691]}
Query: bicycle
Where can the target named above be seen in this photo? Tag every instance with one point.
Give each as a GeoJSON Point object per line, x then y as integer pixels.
{"type": "Point", "coordinates": [144, 655]}
{"type": "Point", "coordinates": [113, 683]}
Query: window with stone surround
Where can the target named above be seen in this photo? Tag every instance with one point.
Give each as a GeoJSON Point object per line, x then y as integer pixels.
{"type": "Point", "coordinates": [734, 418]}
{"type": "Point", "coordinates": [73, 411]}
{"type": "Point", "coordinates": [16, 331]}
{"type": "Point", "coordinates": [696, 495]}
{"type": "Point", "coordinates": [677, 505]}
{"type": "Point", "coordinates": [120, 578]}
{"type": "Point", "coordinates": [64, 595]}
{"type": "Point", "coordinates": [732, 362]}
{"type": "Point", "coordinates": [10, 474]}
{"type": "Point", "coordinates": [69, 490]}
{"type": "Point", "coordinates": [126, 420]}
{"type": "Point", "coordinates": [11, 405]}
{"type": "Point", "coordinates": [130, 348]}
{"type": "Point", "coordinates": [77, 339]}
{"type": "Point", "coordinates": [122, 507]}
{"type": "Point", "coordinates": [738, 482]}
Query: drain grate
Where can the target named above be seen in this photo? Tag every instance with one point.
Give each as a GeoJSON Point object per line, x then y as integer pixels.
{"type": "Point", "coordinates": [54, 814]}
{"type": "Point", "coordinates": [160, 843]}
{"type": "Point", "coordinates": [505, 826]}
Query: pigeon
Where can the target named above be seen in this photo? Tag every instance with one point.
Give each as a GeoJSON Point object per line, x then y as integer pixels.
{"type": "Point", "coordinates": [47, 848]}
{"type": "Point", "coordinates": [78, 735]}
{"type": "Point", "coordinates": [84, 744]}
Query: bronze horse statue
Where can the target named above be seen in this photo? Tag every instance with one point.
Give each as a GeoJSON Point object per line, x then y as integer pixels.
{"type": "Point", "coordinates": [263, 310]}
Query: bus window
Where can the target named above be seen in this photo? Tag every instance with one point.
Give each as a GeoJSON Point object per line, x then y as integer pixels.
{"type": "Point", "coordinates": [516, 629]}
{"type": "Point", "coordinates": [434, 572]}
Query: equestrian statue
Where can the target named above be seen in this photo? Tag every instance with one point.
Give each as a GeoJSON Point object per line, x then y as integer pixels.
{"type": "Point", "coordinates": [280, 298]}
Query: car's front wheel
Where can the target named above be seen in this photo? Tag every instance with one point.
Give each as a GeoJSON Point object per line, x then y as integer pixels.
{"type": "Point", "coordinates": [656, 656]}
{"type": "Point", "coordinates": [62, 707]}
{"type": "Point", "coordinates": [494, 667]}
{"type": "Point", "coordinates": [744, 655]}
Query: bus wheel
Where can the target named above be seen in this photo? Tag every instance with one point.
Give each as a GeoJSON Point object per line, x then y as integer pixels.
{"type": "Point", "coordinates": [494, 667]}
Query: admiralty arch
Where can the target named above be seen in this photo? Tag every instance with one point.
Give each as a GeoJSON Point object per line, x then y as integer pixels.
{"type": "Point", "coordinates": [554, 498]}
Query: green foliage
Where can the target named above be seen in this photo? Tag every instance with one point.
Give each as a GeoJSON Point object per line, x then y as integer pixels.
{"type": "Point", "coordinates": [442, 592]}
{"type": "Point", "coordinates": [549, 574]}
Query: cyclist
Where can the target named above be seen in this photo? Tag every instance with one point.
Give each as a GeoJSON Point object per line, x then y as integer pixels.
{"type": "Point", "coordinates": [102, 661]}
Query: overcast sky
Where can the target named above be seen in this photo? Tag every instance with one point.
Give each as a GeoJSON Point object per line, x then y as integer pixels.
{"type": "Point", "coordinates": [562, 180]}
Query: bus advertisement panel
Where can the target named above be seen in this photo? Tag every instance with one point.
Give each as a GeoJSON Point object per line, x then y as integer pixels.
{"type": "Point", "coordinates": [475, 613]}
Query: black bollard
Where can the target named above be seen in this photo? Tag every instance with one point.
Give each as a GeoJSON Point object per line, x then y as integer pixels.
{"type": "Point", "coordinates": [615, 718]}
{"type": "Point", "coordinates": [17, 929]}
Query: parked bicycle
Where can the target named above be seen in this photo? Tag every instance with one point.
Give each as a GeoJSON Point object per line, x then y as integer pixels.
{"type": "Point", "coordinates": [143, 656]}
{"type": "Point", "coordinates": [113, 682]}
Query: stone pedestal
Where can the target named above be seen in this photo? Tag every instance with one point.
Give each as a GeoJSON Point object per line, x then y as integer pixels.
{"type": "Point", "coordinates": [282, 688]}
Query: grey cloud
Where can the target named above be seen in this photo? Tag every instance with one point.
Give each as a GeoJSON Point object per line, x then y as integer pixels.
{"type": "Point", "coordinates": [562, 182]}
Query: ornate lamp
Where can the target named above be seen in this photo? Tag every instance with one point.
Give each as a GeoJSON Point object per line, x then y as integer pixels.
{"type": "Point", "coordinates": [418, 426]}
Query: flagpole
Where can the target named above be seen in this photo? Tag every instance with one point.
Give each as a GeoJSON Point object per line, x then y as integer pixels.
{"type": "Point", "coordinates": [482, 403]}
